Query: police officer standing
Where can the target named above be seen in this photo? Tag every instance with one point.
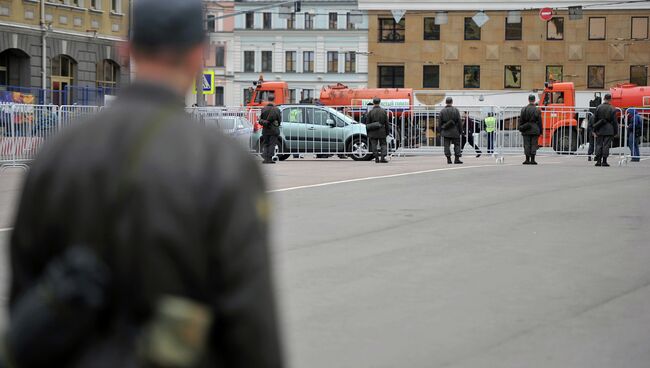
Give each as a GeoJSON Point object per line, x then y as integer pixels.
{"type": "Point", "coordinates": [162, 220]}
{"type": "Point", "coordinates": [377, 127]}
{"type": "Point", "coordinates": [270, 119]}
{"type": "Point", "coordinates": [530, 126]}
{"type": "Point", "coordinates": [452, 129]}
{"type": "Point", "coordinates": [605, 128]}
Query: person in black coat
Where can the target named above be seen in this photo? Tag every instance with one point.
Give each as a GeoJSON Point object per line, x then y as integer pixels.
{"type": "Point", "coordinates": [270, 119]}
{"type": "Point", "coordinates": [605, 128]}
{"type": "Point", "coordinates": [471, 127]}
{"type": "Point", "coordinates": [171, 208]}
{"type": "Point", "coordinates": [530, 126]}
{"type": "Point", "coordinates": [451, 128]}
{"type": "Point", "coordinates": [377, 128]}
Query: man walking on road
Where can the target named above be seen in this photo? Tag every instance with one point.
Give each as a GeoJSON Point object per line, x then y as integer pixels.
{"type": "Point", "coordinates": [270, 119]}
{"type": "Point", "coordinates": [377, 128]}
{"type": "Point", "coordinates": [530, 126]}
{"type": "Point", "coordinates": [605, 128]}
{"type": "Point", "coordinates": [451, 128]}
{"type": "Point", "coordinates": [147, 231]}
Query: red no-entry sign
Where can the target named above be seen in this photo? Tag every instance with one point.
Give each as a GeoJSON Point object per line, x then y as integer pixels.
{"type": "Point", "coordinates": [546, 14]}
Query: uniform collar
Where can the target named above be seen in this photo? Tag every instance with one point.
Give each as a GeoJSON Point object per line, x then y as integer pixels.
{"type": "Point", "coordinates": [154, 92]}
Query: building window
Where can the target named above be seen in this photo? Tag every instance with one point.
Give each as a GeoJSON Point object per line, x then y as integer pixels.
{"type": "Point", "coordinates": [389, 31]}
{"type": "Point", "coordinates": [267, 21]}
{"type": "Point", "coordinates": [308, 62]}
{"type": "Point", "coordinates": [309, 21]}
{"type": "Point", "coordinates": [639, 28]}
{"type": "Point", "coordinates": [249, 61]}
{"type": "Point", "coordinates": [597, 28]}
{"type": "Point", "coordinates": [639, 75]}
{"type": "Point", "coordinates": [472, 31]}
{"type": "Point", "coordinates": [334, 20]}
{"type": "Point", "coordinates": [292, 96]}
{"type": "Point", "coordinates": [250, 20]}
{"type": "Point", "coordinates": [431, 76]}
{"type": "Point", "coordinates": [512, 76]}
{"type": "Point", "coordinates": [95, 4]}
{"type": "Point", "coordinates": [391, 76]}
{"type": "Point", "coordinates": [248, 95]}
{"type": "Point", "coordinates": [514, 30]}
{"type": "Point", "coordinates": [116, 6]}
{"type": "Point", "coordinates": [554, 73]}
{"type": "Point", "coordinates": [290, 62]}
{"type": "Point", "coordinates": [351, 62]}
{"type": "Point", "coordinates": [349, 25]}
{"type": "Point", "coordinates": [555, 29]}
{"type": "Point", "coordinates": [306, 95]}
{"type": "Point", "coordinates": [218, 96]}
{"type": "Point", "coordinates": [472, 76]}
{"type": "Point", "coordinates": [267, 61]}
{"type": "Point", "coordinates": [332, 62]}
{"type": "Point", "coordinates": [431, 29]}
{"type": "Point", "coordinates": [211, 23]}
{"type": "Point", "coordinates": [291, 21]}
{"type": "Point", "coordinates": [596, 76]}
{"type": "Point", "coordinates": [220, 56]}
{"type": "Point", "coordinates": [63, 66]}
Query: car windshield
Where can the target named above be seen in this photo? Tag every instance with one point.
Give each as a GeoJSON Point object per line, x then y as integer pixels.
{"type": "Point", "coordinates": [342, 116]}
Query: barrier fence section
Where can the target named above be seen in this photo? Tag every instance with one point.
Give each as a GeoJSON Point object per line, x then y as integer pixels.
{"type": "Point", "coordinates": [24, 129]}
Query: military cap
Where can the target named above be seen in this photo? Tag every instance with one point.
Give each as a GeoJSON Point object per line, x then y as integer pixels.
{"type": "Point", "coordinates": [160, 24]}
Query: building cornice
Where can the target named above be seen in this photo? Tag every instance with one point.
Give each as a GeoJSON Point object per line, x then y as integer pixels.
{"type": "Point", "coordinates": [38, 29]}
{"type": "Point", "coordinates": [445, 5]}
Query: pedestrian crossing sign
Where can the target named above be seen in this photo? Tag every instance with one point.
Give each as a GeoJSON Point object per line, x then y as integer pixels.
{"type": "Point", "coordinates": [207, 81]}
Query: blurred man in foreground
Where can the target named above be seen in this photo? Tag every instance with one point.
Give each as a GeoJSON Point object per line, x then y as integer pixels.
{"type": "Point", "coordinates": [146, 231]}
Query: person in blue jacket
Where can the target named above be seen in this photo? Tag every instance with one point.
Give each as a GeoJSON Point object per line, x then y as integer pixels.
{"type": "Point", "coordinates": [634, 132]}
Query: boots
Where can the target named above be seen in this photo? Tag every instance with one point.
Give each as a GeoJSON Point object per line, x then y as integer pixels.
{"type": "Point", "coordinates": [478, 152]}
{"type": "Point", "coordinates": [598, 162]}
{"type": "Point", "coordinates": [527, 162]}
{"type": "Point", "coordinates": [605, 164]}
{"type": "Point", "coordinates": [458, 161]}
{"type": "Point", "coordinates": [589, 158]}
{"type": "Point", "coordinates": [376, 159]}
{"type": "Point", "coordinates": [532, 160]}
{"type": "Point", "coordinates": [449, 160]}
{"type": "Point", "coordinates": [383, 160]}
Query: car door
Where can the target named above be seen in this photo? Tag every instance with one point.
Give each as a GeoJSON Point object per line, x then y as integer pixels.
{"type": "Point", "coordinates": [295, 126]}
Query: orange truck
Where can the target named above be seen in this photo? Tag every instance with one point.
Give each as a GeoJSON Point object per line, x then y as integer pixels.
{"type": "Point", "coordinates": [563, 126]}
{"type": "Point", "coordinates": [354, 101]}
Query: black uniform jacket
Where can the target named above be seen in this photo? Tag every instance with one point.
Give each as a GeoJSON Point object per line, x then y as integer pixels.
{"type": "Point", "coordinates": [270, 119]}
{"type": "Point", "coordinates": [605, 120]}
{"type": "Point", "coordinates": [450, 124]}
{"type": "Point", "coordinates": [530, 121]}
{"type": "Point", "coordinates": [378, 115]}
{"type": "Point", "coordinates": [172, 207]}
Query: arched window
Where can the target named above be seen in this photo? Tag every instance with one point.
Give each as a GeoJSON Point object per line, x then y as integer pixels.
{"type": "Point", "coordinates": [14, 68]}
{"type": "Point", "coordinates": [108, 74]}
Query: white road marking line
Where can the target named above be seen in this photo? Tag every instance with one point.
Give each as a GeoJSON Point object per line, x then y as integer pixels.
{"type": "Point", "coordinates": [383, 177]}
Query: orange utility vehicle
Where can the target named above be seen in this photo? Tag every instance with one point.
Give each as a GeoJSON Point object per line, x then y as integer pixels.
{"type": "Point", "coordinates": [562, 123]}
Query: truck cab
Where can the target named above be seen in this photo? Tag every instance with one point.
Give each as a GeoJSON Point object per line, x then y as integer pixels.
{"type": "Point", "coordinates": [262, 90]}
{"type": "Point", "coordinates": [561, 128]}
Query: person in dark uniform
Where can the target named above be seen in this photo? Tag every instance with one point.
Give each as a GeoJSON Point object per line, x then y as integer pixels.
{"type": "Point", "coordinates": [176, 212]}
{"type": "Point", "coordinates": [530, 126]}
{"type": "Point", "coordinates": [605, 128]}
{"type": "Point", "coordinates": [377, 127]}
{"type": "Point", "coordinates": [471, 127]}
{"type": "Point", "coordinates": [593, 105]}
{"type": "Point", "coordinates": [270, 119]}
{"type": "Point", "coordinates": [451, 128]}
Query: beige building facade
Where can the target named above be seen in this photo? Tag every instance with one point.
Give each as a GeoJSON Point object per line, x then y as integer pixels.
{"type": "Point", "coordinates": [513, 50]}
{"type": "Point", "coordinates": [63, 51]}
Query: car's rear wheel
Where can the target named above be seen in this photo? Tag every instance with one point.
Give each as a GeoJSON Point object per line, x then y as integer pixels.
{"type": "Point", "coordinates": [359, 149]}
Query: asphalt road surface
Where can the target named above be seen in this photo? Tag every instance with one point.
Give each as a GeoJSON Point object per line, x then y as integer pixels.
{"type": "Point", "coordinates": [420, 264]}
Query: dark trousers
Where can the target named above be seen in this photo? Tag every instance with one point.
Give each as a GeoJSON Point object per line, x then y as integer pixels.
{"type": "Point", "coordinates": [602, 146]}
{"type": "Point", "coordinates": [633, 142]}
{"type": "Point", "coordinates": [469, 138]}
{"type": "Point", "coordinates": [531, 144]}
{"type": "Point", "coordinates": [591, 141]}
{"type": "Point", "coordinates": [490, 142]}
{"type": "Point", "coordinates": [268, 147]}
{"type": "Point", "coordinates": [377, 144]}
{"type": "Point", "coordinates": [448, 142]}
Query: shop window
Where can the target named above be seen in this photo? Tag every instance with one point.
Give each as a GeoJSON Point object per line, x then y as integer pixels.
{"type": "Point", "coordinates": [512, 76]}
